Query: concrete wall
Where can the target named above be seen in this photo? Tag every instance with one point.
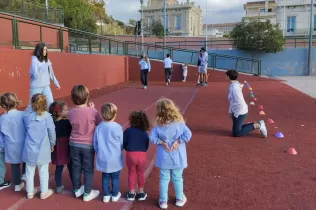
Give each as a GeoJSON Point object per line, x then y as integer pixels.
{"type": "Point", "coordinates": [94, 71]}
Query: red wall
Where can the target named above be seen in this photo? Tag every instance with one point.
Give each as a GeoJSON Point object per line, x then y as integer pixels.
{"type": "Point", "coordinates": [94, 71]}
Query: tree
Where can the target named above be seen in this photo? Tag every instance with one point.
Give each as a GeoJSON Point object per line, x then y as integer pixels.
{"type": "Point", "coordinates": [157, 29]}
{"type": "Point", "coordinates": [257, 36]}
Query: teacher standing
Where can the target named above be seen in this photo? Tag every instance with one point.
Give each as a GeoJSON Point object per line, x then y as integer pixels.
{"type": "Point", "coordinates": [41, 72]}
{"type": "Point", "coordinates": [144, 69]}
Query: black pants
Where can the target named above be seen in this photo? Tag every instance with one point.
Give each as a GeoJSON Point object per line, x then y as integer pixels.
{"type": "Point", "coordinates": [168, 74]}
{"type": "Point", "coordinates": [82, 160]}
{"type": "Point", "coordinates": [58, 173]}
{"type": "Point", "coordinates": [23, 168]}
{"type": "Point", "coordinates": [239, 128]}
{"type": "Point", "coordinates": [144, 77]}
{"type": "Point", "coordinates": [16, 173]}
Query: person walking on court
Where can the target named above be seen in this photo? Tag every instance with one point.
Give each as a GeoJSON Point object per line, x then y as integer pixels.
{"type": "Point", "coordinates": [168, 69]}
{"type": "Point", "coordinates": [144, 69]}
{"type": "Point", "coordinates": [203, 58]}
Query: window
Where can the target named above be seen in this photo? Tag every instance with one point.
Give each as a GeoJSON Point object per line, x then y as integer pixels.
{"type": "Point", "coordinates": [163, 22]}
{"type": "Point", "coordinates": [315, 23]}
{"type": "Point", "coordinates": [177, 22]}
{"type": "Point", "coordinates": [150, 21]}
{"type": "Point", "coordinates": [269, 10]}
{"type": "Point", "coordinates": [291, 24]}
{"type": "Point", "coordinates": [262, 11]}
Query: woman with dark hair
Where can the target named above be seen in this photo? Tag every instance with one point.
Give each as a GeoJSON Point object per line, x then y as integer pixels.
{"type": "Point", "coordinates": [144, 69]}
{"type": "Point", "coordinates": [41, 72]}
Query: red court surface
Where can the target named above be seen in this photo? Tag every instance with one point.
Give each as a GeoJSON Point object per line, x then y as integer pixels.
{"type": "Point", "coordinates": [223, 172]}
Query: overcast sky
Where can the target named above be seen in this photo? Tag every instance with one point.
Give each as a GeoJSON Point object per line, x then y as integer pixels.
{"type": "Point", "coordinates": [219, 11]}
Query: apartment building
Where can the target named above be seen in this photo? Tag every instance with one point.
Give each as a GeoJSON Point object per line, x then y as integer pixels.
{"type": "Point", "coordinates": [260, 10]}
{"type": "Point", "coordinates": [219, 28]}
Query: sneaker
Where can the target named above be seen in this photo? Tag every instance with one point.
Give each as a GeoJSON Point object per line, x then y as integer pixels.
{"type": "Point", "coordinates": [92, 195]}
{"type": "Point", "coordinates": [163, 204]}
{"type": "Point", "coordinates": [141, 196]}
{"type": "Point", "coordinates": [5, 184]}
{"type": "Point", "coordinates": [145, 87]}
{"type": "Point", "coordinates": [167, 83]}
{"type": "Point", "coordinates": [79, 192]}
{"type": "Point", "coordinates": [59, 189]}
{"type": "Point", "coordinates": [31, 194]}
{"type": "Point", "coordinates": [47, 194]}
{"type": "Point", "coordinates": [181, 202]}
{"type": "Point", "coordinates": [106, 199]}
{"type": "Point", "coordinates": [204, 84]}
{"type": "Point", "coordinates": [116, 198]}
{"type": "Point", "coordinates": [183, 80]}
{"type": "Point", "coordinates": [19, 187]}
{"type": "Point", "coordinates": [131, 196]}
{"type": "Point", "coordinates": [263, 129]}
{"type": "Point", "coordinates": [23, 177]}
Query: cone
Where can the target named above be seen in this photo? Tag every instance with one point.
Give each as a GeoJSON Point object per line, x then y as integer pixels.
{"type": "Point", "coordinates": [252, 103]}
{"type": "Point", "coordinates": [260, 107]}
{"type": "Point", "coordinates": [251, 96]}
{"type": "Point", "coordinates": [279, 135]}
{"type": "Point", "coordinates": [254, 99]}
{"type": "Point", "coordinates": [262, 113]}
{"type": "Point", "coordinates": [291, 151]}
{"type": "Point", "coordinates": [250, 88]}
{"type": "Point", "coordinates": [270, 121]}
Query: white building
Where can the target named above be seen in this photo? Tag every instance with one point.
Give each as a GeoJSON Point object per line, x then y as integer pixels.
{"type": "Point", "coordinates": [294, 17]}
{"type": "Point", "coordinates": [260, 10]}
{"type": "Point", "coordinates": [219, 29]}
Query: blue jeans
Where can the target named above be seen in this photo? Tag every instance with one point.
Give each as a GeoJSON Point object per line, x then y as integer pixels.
{"type": "Point", "coordinates": [164, 179]}
{"type": "Point", "coordinates": [2, 167]}
{"type": "Point", "coordinates": [43, 90]}
{"type": "Point", "coordinates": [115, 179]}
{"type": "Point", "coordinates": [239, 128]}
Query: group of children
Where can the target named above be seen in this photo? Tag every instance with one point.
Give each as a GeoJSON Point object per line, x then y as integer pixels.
{"type": "Point", "coordinates": [74, 138]}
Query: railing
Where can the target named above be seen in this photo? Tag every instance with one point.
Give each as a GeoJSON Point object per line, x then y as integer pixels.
{"type": "Point", "coordinates": [33, 11]}
{"type": "Point", "coordinates": [88, 43]}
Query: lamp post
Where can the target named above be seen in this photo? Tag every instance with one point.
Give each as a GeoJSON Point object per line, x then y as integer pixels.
{"type": "Point", "coordinates": [46, 10]}
{"type": "Point", "coordinates": [165, 25]}
{"type": "Point", "coordinates": [310, 40]}
{"type": "Point", "coordinates": [206, 26]}
{"type": "Point", "coordinates": [142, 26]}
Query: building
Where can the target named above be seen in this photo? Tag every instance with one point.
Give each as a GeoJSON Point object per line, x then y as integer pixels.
{"type": "Point", "coordinates": [219, 29]}
{"type": "Point", "coordinates": [183, 19]}
{"type": "Point", "coordinates": [260, 10]}
{"type": "Point", "coordinates": [294, 17]}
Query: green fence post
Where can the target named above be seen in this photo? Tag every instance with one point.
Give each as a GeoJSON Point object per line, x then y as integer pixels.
{"type": "Point", "coordinates": [100, 45]}
{"type": "Point", "coordinates": [213, 62]}
{"type": "Point", "coordinates": [110, 50]}
{"type": "Point", "coordinates": [17, 35]}
{"type": "Point", "coordinates": [41, 37]}
{"type": "Point", "coordinates": [117, 48]}
{"type": "Point", "coordinates": [90, 47]}
{"type": "Point", "coordinates": [61, 40]}
{"type": "Point", "coordinates": [13, 32]}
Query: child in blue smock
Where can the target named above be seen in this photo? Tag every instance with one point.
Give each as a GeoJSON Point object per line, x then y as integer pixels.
{"type": "Point", "coordinates": [12, 130]}
{"type": "Point", "coordinates": [3, 183]}
{"type": "Point", "coordinates": [108, 145]}
{"type": "Point", "coordinates": [170, 134]}
{"type": "Point", "coordinates": [39, 143]}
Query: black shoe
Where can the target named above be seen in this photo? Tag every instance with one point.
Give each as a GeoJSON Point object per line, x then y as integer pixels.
{"type": "Point", "coordinates": [141, 196]}
{"type": "Point", "coordinates": [5, 184]}
{"type": "Point", "coordinates": [131, 196]}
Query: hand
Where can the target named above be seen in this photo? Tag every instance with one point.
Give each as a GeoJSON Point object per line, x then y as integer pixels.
{"type": "Point", "coordinates": [58, 88]}
{"type": "Point", "coordinates": [175, 145]}
{"type": "Point", "coordinates": [52, 149]}
{"type": "Point", "coordinates": [91, 104]}
{"type": "Point", "coordinates": [165, 146]}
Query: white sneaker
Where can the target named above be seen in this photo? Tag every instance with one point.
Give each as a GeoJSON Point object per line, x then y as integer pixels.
{"type": "Point", "coordinates": [93, 194]}
{"type": "Point", "coordinates": [106, 199]}
{"type": "Point", "coordinates": [79, 192]}
{"type": "Point", "coordinates": [263, 129]}
{"type": "Point", "coordinates": [19, 187]}
{"type": "Point", "coordinates": [145, 87]}
{"type": "Point", "coordinates": [31, 195]}
{"type": "Point", "coordinates": [116, 198]}
{"type": "Point", "coordinates": [181, 202]}
{"type": "Point", "coordinates": [23, 177]}
{"type": "Point", "coordinates": [47, 194]}
{"type": "Point", "coordinates": [167, 83]}
{"type": "Point", "coordinates": [163, 204]}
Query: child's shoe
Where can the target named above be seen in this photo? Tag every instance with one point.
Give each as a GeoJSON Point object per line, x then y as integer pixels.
{"type": "Point", "coordinates": [47, 194]}
{"type": "Point", "coordinates": [181, 202]}
{"type": "Point", "coordinates": [23, 177]}
{"type": "Point", "coordinates": [19, 187]}
{"type": "Point", "coordinates": [59, 189]}
{"type": "Point", "coordinates": [131, 196]}
{"type": "Point", "coordinates": [116, 198]}
{"type": "Point", "coordinates": [92, 195]}
{"type": "Point", "coordinates": [141, 196]}
{"type": "Point", "coordinates": [263, 128]}
{"type": "Point", "coordinates": [31, 194]}
{"type": "Point", "coordinates": [79, 192]}
{"type": "Point", "coordinates": [163, 204]}
{"type": "Point", "coordinates": [5, 184]}
{"type": "Point", "coordinates": [106, 199]}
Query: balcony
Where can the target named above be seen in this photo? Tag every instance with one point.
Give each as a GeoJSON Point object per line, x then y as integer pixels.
{"type": "Point", "coordinates": [260, 15]}
{"type": "Point", "coordinates": [282, 3]}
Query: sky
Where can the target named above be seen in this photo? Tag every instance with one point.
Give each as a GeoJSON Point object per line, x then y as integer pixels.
{"type": "Point", "coordinates": [218, 11]}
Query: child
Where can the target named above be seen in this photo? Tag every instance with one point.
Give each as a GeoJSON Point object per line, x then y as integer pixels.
{"type": "Point", "coordinates": [39, 143]}
{"type": "Point", "coordinates": [170, 135]}
{"type": "Point", "coordinates": [3, 183]}
{"type": "Point", "coordinates": [135, 142]}
{"type": "Point", "coordinates": [238, 108]}
{"type": "Point", "coordinates": [108, 143]}
{"type": "Point", "coordinates": [199, 80]}
{"type": "Point", "coordinates": [83, 120]}
{"type": "Point", "coordinates": [168, 69]}
{"type": "Point", "coordinates": [61, 154]}
{"type": "Point", "coordinates": [12, 130]}
{"type": "Point", "coordinates": [144, 69]}
{"type": "Point", "coordinates": [184, 72]}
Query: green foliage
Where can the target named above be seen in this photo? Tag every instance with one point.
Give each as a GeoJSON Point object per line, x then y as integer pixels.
{"type": "Point", "coordinates": [258, 36]}
{"type": "Point", "coordinates": [226, 35]}
{"type": "Point", "coordinates": [157, 29]}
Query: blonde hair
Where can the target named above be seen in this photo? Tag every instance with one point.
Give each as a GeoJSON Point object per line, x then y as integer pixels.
{"type": "Point", "coordinates": [9, 101]}
{"type": "Point", "coordinates": [108, 111]}
{"type": "Point", "coordinates": [167, 112]}
{"type": "Point", "coordinates": [39, 103]}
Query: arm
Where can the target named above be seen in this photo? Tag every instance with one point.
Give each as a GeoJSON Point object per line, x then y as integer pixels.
{"type": "Point", "coordinates": [51, 131]}
{"type": "Point", "coordinates": [1, 139]}
{"type": "Point", "coordinates": [186, 135]}
{"type": "Point", "coordinates": [98, 118]}
{"type": "Point", "coordinates": [140, 62]}
{"type": "Point", "coordinates": [149, 67]}
{"type": "Point", "coordinates": [147, 141]}
{"type": "Point", "coordinates": [124, 140]}
{"type": "Point", "coordinates": [95, 140]}
{"type": "Point", "coordinates": [154, 136]}
{"type": "Point", "coordinates": [121, 137]}
{"type": "Point", "coordinates": [33, 68]}
{"type": "Point", "coordinates": [52, 75]}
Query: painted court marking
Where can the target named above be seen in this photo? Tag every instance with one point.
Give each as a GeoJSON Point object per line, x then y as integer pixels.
{"type": "Point", "coordinates": [23, 200]}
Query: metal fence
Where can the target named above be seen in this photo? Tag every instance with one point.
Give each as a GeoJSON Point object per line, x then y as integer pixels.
{"type": "Point", "coordinates": [32, 10]}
